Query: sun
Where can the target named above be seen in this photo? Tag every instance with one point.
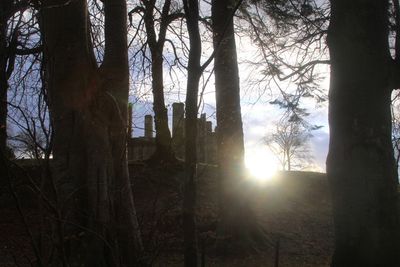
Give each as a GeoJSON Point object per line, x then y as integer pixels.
{"type": "Point", "coordinates": [261, 164]}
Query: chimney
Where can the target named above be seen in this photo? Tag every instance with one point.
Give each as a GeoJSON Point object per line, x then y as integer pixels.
{"type": "Point", "coordinates": [208, 127]}
{"type": "Point", "coordinates": [178, 110]}
{"type": "Point", "coordinates": [201, 138]}
{"type": "Point", "coordinates": [148, 126]}
{"type": "Point", "coordinates": [178, 129]}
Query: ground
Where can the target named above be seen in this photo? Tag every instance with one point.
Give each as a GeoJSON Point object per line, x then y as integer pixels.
{"type": "Point", "coordinates": [294, 209]}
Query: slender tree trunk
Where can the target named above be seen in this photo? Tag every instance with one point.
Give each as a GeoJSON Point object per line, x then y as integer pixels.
{"type": "Point", "coordinates": [236, 217]}
{"type": "Point", "coordinates": [3, 79]}
{"type": "Point", "coordinates": [360, 165]}
{"type": "Point", "coordinates": [190, 192]}
{"type": "Point", "coordinates": [6, 67]}
{"type": "Point", "coordinates": [88, 108]}
{"type": "Point", "coordinates": [289, 166]}
{"type": "Point", "coordinates": [164, 151]}
{"type": "Point", "coordinates": [163, 135]}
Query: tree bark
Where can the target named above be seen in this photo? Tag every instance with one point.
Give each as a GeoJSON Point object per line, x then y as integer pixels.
{"type": "Point", "coordinates": [3, 78]}
{"type": "Point", "coordinates": [237, 219]}
{"type": "Point", "coordinates": [289, 166]}
{"type": "Point", "coordinates": [163, 135]}
{"type": "Point", "coordinates": [190, 192]}
{"type": "Point", "coordinates": [164, 150]}
{"type": "Point", "coordinates": [88, 108]}
{"type": "Point", "coordinates": [360, 164]}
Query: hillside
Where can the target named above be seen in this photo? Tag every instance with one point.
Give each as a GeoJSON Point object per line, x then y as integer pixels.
{"type": "Point", "coordinates": [293, 208]}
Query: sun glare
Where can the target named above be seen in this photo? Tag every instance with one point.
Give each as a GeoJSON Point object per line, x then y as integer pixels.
{"type": "Point", "coordinates": [261, 164]}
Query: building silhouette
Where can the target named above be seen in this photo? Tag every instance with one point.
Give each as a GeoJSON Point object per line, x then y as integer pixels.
{"type": "Point", "coordinates": [142, 148]}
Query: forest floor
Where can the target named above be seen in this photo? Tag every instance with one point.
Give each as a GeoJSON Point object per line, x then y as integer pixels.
{"type": "Point", "coordinates": [293, 207]}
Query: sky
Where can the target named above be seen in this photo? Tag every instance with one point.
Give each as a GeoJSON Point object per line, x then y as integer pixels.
{"type": "Point", "coordinates": [258, 119]}
{"type": "Point", "coordinates": [258, 114]}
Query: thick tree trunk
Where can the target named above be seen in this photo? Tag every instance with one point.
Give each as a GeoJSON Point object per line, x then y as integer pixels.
{"type": "Point", "coordinates": [116, 72]}
{"type": "Point", "coordinates": [360, 165]}
{"type": "Point", "coordinates": [237, 220]}
{"type": "Point", "coordinates": [88, 108]}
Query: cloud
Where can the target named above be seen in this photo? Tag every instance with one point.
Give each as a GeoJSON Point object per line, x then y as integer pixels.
{"type": "Point", "coordinates": [319, 146]}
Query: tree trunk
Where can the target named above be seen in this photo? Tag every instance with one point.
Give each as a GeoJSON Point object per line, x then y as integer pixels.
{"type": "Point", "coordinates": [190, 193]}
{"type": "Point", "coordinates": [6, 67]}
{"type": "Point", "coordinates": [164, 150]}
{"type": "Point", "coordinates": [3, 80]}
{"type": "Point", "coordinates": [88, 108]}
{"type": "Point", "coordinates": [236, 216]}
{"type": "Point", "coordinates": [163, 135]}
{"type": "Point", "coordinates": [360, 164]}
{"type": "Point", "coordinates": [289, 165]}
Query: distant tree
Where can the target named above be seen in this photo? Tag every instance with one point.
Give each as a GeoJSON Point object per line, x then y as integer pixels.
{"type": "Point", "coordinates": [360, 166]}
{"type": "Point", "coordinates": [290, 140]}
{"type": "Point", "coordinates": [290, 143]}
{"type": "Point", "coordinates": [88, 108]}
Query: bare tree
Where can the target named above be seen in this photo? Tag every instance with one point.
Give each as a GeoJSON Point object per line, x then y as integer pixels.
{"type": "Point", "coordinates": [33, 139]}
{"type": "Point", "coordinates": [156, 42]}
{"type": "Point", "coordinates": [194, 74]}
{"type": "Point", "coordinates": [11, 20]}
{"type": "Point", "coordinates": [289, 142]}
{"type": "Point", "coordinates": [195, 70]}
{"type": "Point", "coordinates": [88, 108]}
